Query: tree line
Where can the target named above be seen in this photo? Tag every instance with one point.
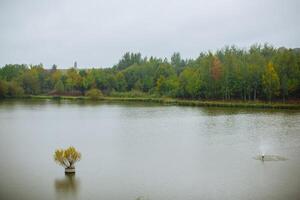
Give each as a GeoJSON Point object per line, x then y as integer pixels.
{"type": "Point", "coordinates": [261, 72]}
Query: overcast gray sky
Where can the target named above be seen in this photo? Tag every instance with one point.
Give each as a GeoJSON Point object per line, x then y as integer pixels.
{"type": "Point", "coordinates": [97, 33]}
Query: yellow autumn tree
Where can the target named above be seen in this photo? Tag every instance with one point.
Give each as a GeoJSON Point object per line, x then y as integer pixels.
{"type": "Point", "coordinates": [67, 157]}
{"type": "Point", "coordinates": [270, 81]}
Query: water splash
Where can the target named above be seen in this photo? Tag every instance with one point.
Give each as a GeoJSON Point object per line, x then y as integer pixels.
{"type": "Point", "coordinates": [264, 147]}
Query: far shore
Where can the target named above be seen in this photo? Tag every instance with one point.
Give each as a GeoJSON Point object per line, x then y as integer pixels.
{"type": "Point", "coordinates": [181, 102]}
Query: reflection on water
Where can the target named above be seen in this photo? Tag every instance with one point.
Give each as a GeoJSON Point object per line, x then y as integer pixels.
{"type": "Point", "coordinates": [67, 187]}
{"type": "Point", "coordinates": [141, 198]}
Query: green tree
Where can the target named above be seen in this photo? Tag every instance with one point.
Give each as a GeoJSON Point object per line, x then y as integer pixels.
{"type": "Point", "coordinates": [121, 83]}
{"type": "Point", "coordinates": [89, 80]}
{"type": "Point", "coordinates": [164, 69]}
{"type": "Point", "coordinates": [138, 85]}
{"type": "Point", "coordinates": [286, 65]}
{"type": "Point", "coordinates": [256, 68]}
{"type": "Point", "coordinates": [129, 59]}
{"type": "Point", "coordinates": [74, 80]}
{"type": "Point", "coordinates": [3, 88]}
{"type": "Point", "coordinates": [177, 62]}
{"type": "Point", "coordinates": [10, 72]}
{"type": "Point", "coordinates": [31, 81]}
{"type": "Point", "coordinates": [14, 89]}
{"type": "Point", "coordinates": [59, 87]}
{"type": "Point", "coordinates": [55, 76]}
{"type": "Point", "coordinates": [167, 86]}
{"type": "Point", "coordinates": [94, 93]}
{"type": "Point", "coordinates": [190, 83]}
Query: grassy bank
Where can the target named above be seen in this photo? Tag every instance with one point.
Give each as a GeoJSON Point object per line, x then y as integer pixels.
{"type": "Point", "coordinates": [181, 102]}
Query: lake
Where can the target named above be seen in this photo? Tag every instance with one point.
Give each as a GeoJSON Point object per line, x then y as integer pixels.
{"type": "Point", "coordinates": [148, 151]}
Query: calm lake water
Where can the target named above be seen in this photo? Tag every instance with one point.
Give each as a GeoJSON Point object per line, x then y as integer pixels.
{"type": "Point", "coordinates": [147, 151]}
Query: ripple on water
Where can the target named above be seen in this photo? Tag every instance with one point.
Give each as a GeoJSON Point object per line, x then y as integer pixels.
{"type": "Point", "coordinates": [270, 158]}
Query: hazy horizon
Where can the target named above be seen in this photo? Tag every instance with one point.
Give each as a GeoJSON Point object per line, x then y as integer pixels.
{"type": "Point", "coordinates": [98, 33]}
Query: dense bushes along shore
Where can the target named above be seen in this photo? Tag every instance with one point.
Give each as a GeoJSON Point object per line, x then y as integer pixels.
{"type": "Point", "coordinates": [261, 72]}
{"type": "Point", "coordinates": [168, 101]}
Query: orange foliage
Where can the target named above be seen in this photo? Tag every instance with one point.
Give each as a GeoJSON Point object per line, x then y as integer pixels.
{"type": "Point", "coordinates": [216, 69]}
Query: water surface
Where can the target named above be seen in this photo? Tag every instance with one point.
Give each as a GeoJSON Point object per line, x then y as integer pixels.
{"type": "Point", "coordinates": [147, 151]}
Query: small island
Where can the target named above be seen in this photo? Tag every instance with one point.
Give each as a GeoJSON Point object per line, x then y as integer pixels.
{"type": "Point", "coordinates": [67, 158]}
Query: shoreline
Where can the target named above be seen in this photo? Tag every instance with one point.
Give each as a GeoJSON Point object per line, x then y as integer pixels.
{"type": "Point", "coordinates": [172, 101]}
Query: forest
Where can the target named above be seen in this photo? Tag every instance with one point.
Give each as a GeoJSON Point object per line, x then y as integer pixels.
{"type": "Point", "coordinates": [261, 72]}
